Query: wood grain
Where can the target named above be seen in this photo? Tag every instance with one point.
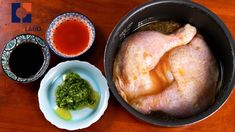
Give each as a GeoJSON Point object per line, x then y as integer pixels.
{"type": "Point", "coordinates": [19, 110]}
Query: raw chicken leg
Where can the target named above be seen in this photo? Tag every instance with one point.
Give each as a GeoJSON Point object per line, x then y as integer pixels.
{"type": "Point", "coordinates": [139, 54]}
{"type": "Point", "coordinates": [196, 74]}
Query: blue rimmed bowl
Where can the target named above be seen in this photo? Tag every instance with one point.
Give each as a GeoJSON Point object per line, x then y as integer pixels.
{"type": "Point", "coordinates": [15, 42]}
{"type": "Point", "coordinates": [80, 118]}
{"type": "Point", "coordinates": [65, 17]}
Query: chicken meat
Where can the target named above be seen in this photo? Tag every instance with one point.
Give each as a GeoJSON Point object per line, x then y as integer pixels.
{"type": "Point", "coordinates": [176, 74]}
{"type": "Point", "coordinates": [139, 54]}
{"type": "Point", "coordinates": [196, 74]}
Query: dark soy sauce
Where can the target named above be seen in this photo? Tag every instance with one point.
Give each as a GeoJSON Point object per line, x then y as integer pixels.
{"type": "Point", "coordinates": [26, 60]}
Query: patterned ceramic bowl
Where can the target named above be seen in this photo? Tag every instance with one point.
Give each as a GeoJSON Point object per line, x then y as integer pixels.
{"type": "Point", "coordinates": [61, 19]}
{"type": "Point", "coordinates": [12, 45]}
{"type": "Point", "coordinates": [79, 118]}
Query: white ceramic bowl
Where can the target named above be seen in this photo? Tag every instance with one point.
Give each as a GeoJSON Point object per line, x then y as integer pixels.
{"type": "Point", "coordinates": [80, 118]}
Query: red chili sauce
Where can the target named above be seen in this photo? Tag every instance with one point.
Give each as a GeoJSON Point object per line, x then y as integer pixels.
{"type": "Point", "coordinates": [71, 37]}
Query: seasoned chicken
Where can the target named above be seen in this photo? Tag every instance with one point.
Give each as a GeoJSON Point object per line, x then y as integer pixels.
{"type": "Point", "coordinates": [194, 88]}
{"type": "Point", "coordinates": [139, 55]}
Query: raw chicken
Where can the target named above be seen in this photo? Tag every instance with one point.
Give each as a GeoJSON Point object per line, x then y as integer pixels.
{"type": "Point", "coordinates": [139, 55]}
{"type": "Point", "coordinates": [195, 72]}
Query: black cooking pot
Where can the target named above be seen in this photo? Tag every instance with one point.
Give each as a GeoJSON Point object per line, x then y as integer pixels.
{"type": "Point", "coordinates": [209, 25]}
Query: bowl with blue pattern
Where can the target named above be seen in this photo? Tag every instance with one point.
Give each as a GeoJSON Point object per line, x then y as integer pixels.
{"type": "Point", "coordinates": [57, 22]}
{"type": "Point", "coordinates": [20, 40]}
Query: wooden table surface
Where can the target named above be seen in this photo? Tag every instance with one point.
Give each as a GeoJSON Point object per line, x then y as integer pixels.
{"type": "Point", "coordinates": [19, 109]}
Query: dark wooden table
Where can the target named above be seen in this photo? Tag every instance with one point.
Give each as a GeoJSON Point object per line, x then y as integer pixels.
{"type": "Point", "coordinates": [19, 109]}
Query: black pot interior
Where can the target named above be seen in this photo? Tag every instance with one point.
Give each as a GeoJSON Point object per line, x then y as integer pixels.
{"type": "Point", "coordinates": [210, 26]}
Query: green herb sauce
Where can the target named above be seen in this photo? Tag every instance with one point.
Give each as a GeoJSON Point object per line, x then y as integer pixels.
{"type": "Point", "coordinates": [75, 93]}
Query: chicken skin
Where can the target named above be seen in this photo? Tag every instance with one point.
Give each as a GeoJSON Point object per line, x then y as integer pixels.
{"type": "Point", "coordinates": [139, 54]}
{"type": "Point", "coordinates": [195, 72]}
{"type": "Point", "coordinates": [176, 74]}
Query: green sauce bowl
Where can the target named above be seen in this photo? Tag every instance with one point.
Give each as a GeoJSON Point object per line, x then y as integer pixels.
{"type": "Point", "coordinates": [73, 119]}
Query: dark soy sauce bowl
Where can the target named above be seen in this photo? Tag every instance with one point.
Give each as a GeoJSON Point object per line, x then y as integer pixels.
{"type": "Point", "coordinates": [208, 24]}
{"type": "Point", "coordinates": [18, 42]}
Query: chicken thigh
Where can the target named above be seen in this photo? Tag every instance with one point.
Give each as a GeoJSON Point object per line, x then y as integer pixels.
{"type": "Point", "coordinates": [195, 72]}
{"type": "Point", "coordinates": [139, 54]}
{"type": "Point", "coordinates": [176, 74]}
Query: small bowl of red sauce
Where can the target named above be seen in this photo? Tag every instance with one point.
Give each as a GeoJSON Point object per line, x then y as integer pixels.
{"type": "Point", "coordinates": [70, 35]}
